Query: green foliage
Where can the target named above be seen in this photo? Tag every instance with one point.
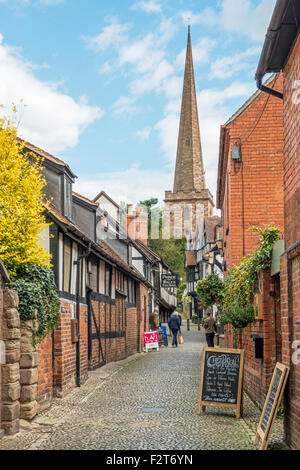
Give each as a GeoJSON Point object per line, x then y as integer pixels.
{"type": "Point", "coordinates": [38, 296]}
{"type": "Point", "coordinates": [280, 412]}
{"type": "Point", "coordinates": [172, 251]}
{"type": "Point", "coordinates": [210, 290]}
{"type": "Point", "coordinates": [21, 201]}
{"type": "Point", "coordinates": [186, 299]}
{"type": "Point", "coordinates": [181, 289]}
{"type": "Point", "coordinates": [238, 317]}
{"type": "Point", "coordinates": [242, 281]}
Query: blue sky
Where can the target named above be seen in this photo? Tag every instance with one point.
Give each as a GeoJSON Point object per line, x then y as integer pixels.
{"type": "Point", "coordinates": [102, 81]}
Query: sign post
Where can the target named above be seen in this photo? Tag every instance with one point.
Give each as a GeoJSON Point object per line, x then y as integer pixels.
{"type": "Point", "coordinates": [151, 340]}
{"type": "Point", "coordinates": [272, 403]}
{"type": "Point", "coordinates": [221, 379]}
{"type": "Point", "coordinates": [169, 280]}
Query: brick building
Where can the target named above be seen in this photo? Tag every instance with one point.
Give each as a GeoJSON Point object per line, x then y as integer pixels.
{"type": "Point", "coordinates": [250, 174]}
{"type": "Point", "coordinates": [104, 314]}
{"type": "Point", "coordinates": [190, 200]}
{"type": "Point", "coordinates": [250, 193]}
{"type": "Point", "coordinates": [281, 52]}
{"type": "Point", "coordinates": [104, 287]}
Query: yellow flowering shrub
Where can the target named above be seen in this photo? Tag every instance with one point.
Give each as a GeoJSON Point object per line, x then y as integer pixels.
{"type": "Point", "coordinates": [22, 216]}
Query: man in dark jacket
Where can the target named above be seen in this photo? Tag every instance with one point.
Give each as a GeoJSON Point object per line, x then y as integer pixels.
{"type": "Point", "coordinates": [210, 327]}
{"type": "Point", "coordinates": [174, 325]}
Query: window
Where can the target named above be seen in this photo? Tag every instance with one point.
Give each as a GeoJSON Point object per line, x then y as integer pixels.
{"type": "Point", "coordinates": [67, 265]}
{"type": "Point", "coordinates": [120, 281]}
{"type": "Point", "coordinates": [188, 142]}
{"type": "Point", "coordinates": [131, 294]}
{"type": "Point", "coordinates": [108, 279]}
{"type": "Point", "coordinates": [67, 198]}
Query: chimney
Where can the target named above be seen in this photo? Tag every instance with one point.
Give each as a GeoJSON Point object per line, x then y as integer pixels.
{"type": "Point", "coordinates": [137, 224]}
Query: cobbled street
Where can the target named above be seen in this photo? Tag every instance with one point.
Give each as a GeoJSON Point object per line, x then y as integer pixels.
{"type": "Point", "coordinates": [146, 402]}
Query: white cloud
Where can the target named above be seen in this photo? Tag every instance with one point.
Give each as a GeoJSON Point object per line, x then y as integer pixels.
{"type": "Point", "coordinates": [119, 185]}
{"type": "Point", "coordinates": [111, 35]}
{"type": "Point", "coordinates": [149, 7]}
{"type": "Point", "coordinates": [227, 67]}
{"type": "Point", "coordinates": [214, 109]}
{"type": "Point", "coordinates": [243, 17]}
{"type": "Point", "coordinates": [50, 2]}
{"type": "Point", "coordinates": [124, 105]}
{"type": "Point", "coordinates": [208, 17]}
{"type": "Point", "coordinates": [53, 120]}
{"type": "Point", "coordinates": [152, 81]}
{"type": "Point", "coordinates": [144, 134]}
{"type": "Point", "coordinates": [201, 52]}
{"type": "Point", "coordinates": [167, 129]}
{"type": "Point", "coordinates": [240, 16]}
{"type": "Point", "coordinates": [106, 68]}
{"type": "Point", "coordinates": [33, 2]}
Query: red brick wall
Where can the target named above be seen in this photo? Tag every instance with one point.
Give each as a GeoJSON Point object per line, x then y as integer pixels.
{"type": "Point", "coordinates": [258, 372]}
{"type": "Point", "coordinates": [262, 172]}
{"type": "Point", "coordinates": [65, 351]}
{"type": "Point", "coordinates": [290, 263]}
{"type": "Point", "coordinates": [111, 323]}
{"type": "Point", "coordinates": [59, 378]}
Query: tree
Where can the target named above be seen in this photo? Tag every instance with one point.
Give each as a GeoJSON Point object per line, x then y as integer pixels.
{"type": "Point", "coordinates": [21, 202]}
{"type": "Point", "coordinates": [172, 250]}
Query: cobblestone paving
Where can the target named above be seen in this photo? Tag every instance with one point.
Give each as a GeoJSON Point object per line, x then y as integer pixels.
{"type": "Point", "coordinates": [147, 402]}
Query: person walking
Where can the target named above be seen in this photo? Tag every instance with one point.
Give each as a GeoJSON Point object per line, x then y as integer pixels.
{"type": "Point", "coordinates": [174, 325]}
{"type": "Point", "coordinates": [154, 320]}
{"type": "Point", "coordinates": [210, 327]}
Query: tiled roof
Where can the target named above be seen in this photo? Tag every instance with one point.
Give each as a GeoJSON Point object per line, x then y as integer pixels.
{"type": "Point", "coordinates": [103, 193]}
{"type": "Point", "coordinates": [248, 102]}
{"type": "Point", "coordinates": [104, 249]}
{"type": "Point", "coordinates": [45, 154]}
{"type": "Point", "coordinates": [89, 201]}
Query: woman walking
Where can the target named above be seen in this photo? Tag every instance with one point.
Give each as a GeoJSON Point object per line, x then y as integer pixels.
{"type": "Point", "coordinates": [174, 325]}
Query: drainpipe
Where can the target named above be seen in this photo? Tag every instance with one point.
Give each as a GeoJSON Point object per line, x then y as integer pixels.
{"type": "Point", "coordinates": [268, 90]}
{"type": "Point", "coordinates": [77, 263]}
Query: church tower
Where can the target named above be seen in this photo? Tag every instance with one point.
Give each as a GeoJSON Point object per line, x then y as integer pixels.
{"type": "Point", "coordinates": [189, 201]}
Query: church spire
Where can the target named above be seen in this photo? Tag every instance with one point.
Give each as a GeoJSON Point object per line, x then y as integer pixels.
{"type": "Point", "coordinates": [189, 164]}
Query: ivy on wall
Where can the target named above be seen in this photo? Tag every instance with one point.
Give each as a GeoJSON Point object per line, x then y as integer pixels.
{"type": "Point", "coordinates": [38, 298]}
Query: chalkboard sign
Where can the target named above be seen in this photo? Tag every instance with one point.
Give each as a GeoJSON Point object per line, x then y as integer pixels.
{"type": "Point", "coordinates": [221, 378]}
{"type": "Point", "coordinates": [272, 402]}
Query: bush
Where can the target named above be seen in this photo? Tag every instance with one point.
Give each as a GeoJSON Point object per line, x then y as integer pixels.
{"type": "Point", "coordinates": [210, 290]}
{"type": "Point", "coordinates": [238, 317]}
{"type": "Point", "coordinates": [38, 298]}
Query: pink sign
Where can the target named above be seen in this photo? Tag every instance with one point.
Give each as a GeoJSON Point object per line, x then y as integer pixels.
{"type": "Point", "coordinates": [151, 337]}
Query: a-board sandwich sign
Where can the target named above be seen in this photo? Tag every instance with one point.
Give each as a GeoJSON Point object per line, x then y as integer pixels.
{"type": "Point", "coordinates": [221, 379]}
{"type": "Point", "coordinates": [271, 405]}
{"type": "Point", "coordinates": [151, 340]}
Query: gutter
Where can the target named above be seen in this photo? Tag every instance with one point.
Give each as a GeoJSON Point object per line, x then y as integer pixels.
{"type": "Point", "coordinates": [270, 40]}
{"type": "Point", "coordinates": [268, 90]}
